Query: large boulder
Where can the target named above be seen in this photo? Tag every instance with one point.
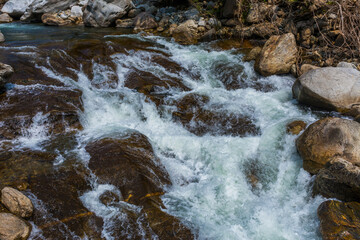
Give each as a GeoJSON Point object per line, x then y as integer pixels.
{"type": "Point", "coordinates": [339, 220]}
{"type": "Point", "coordinates": [38, 7]}
{"type": "Point", "coordinates": [328, 138]}
{"type": "Point", "coordinates": [17, 202]}
{"type": "Point", "coordinates": [277, 56]}
{"type": "Point", "coordinates": [13, 228]}
{"type": "Point", "coordinates": [330, 88]}
{"type": "Point", "coordinates": [16, 8]}
{"type": "Point", "coordinates": [339, 179]}
{"type": "Point", "coordinates": [186, 32]}
{"type": "Point", "coordinates": [101, 13]}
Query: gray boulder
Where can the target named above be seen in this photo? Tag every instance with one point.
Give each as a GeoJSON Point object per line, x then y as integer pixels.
{"type": "Point", "coordinates": [103, 13]}
{"type": "Point", "coordinates": [330, 88]}
{"type": "Point", "coordinates": [339, 179]}
{"type": "Point", "coordinates": [38, 7]}
{"type": "Point", "coordinates": [16, 8]}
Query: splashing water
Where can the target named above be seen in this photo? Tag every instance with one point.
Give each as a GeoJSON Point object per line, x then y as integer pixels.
{"type": "Point", "coordinates": [223, 187]}
{"type": "Point", "coordinates": [33, 136]}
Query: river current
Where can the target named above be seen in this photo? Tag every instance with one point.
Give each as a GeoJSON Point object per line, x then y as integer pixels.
{"type": "Point", "coordinates": [224, 186]}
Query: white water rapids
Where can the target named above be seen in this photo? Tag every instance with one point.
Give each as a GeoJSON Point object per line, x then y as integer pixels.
{"type": "Point", "coordinates": [210, 189]}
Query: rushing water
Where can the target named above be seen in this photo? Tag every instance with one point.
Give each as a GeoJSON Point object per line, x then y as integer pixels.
{"type": "Point", "coordinates": [211, 191]}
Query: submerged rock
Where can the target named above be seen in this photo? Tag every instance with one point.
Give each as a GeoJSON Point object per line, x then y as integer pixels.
{"type": "Point", "coordinates": [13, 227]}
{"type": "Point", "coordinates": [56, 110]}
{"type": "Point", "coordinates": [330, 88]}
{"type": "Point", "coordinates": [61, 214]}
{"type": "Point", "coordinates": [277, 56]}
{"type": "Point", "coordinates": [296, 127]}
{"type": "Point", "coordinates": [339, 179]}
{"type": "Point", "coordinates": [328, 138]}
{"type": "Point", "coordinates": [130, 164]}
{"type": "Point", "coordinates": [16, 202]}
{"type": "Point", "coordinates": [339, 220]}
{"type": "Point", "coordinates": [110, 11]}
{"type": "Point", "coordinates": [201, 120]}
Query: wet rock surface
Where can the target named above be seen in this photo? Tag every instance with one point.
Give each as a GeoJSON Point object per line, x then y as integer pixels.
{"type": "Point", "coordinates": [131, 165]}
{"type": "Point", "coordinates": [296, 127]}
{"type": "Point", "coordinates": [59, 210]}
{"type": "Point", "coordinates": [21, 107]}
{"type": "Point", "coordinates": [200, 120]}
{"type": "Point", "coordinates": [339, 220]}
{"type": "Point", "coordinates": [328, 138]}
{"type": "Point", "coordinates": [339, 179]}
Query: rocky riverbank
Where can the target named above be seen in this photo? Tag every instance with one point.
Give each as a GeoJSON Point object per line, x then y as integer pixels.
{"type": "Point", "coordinates": [282, 42]}
{"type": "Point", "coordinates": [316, 25]}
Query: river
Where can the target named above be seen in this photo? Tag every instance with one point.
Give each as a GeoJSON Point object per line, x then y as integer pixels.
{"type": "Point", "coordinates": [227, 183]}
